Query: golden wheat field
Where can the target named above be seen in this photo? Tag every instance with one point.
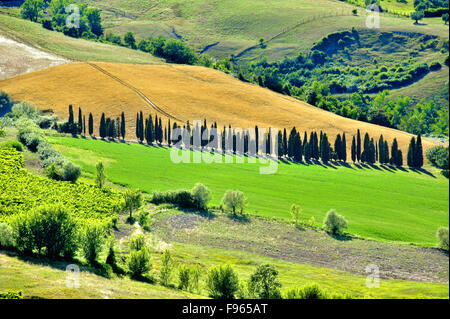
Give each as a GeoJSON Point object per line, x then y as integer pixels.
{"type": "Point", "coordinates": [184, 92]}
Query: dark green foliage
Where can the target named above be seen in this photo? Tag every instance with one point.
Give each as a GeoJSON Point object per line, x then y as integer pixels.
{"type": "Point", "coordinates": [222, 282]}
{"type": "Point", "coordinates": [102, 127]}
{"type": "Point", "coordinates": [13, 144]}
{"type": "Point", "coordinates": [91, 124]}
{"type": "Point", "coordinates": [411, 152]}
{"type": "Point", "coordinates": [92, 238]}
{"type": "Point", "coordinates": [32, 9]}
{"type": "Point", "coordinates": [310, 291]}
{"type": "Point", "coordinates": [5, 101]}
{"type": "Point", "coordinates": [334, 223]}
{"type": "Point", "coordinates": [122, 125]}
{"type": "Point", "coordinates": [264, 283]}
{"type": "Point", "coordinates": [353, 150]}
{"type": "Point", "coordinates": [129, 40]}
{"type": "Point", "coordinates": [46, 227]}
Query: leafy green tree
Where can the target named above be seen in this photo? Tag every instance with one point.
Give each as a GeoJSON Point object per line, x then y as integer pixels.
{"type": "Point", "coordinates": [264, 283]}
{"type": "Point", "coordinates": [166, 269]}
{"type": "Point", "coordinates": [94, 20]}
{"type": "Point", "coordinates": [92, 240]}
{"type": "Point", "coordinates": [234, 200]}
{"type": "Point", "coordinates": [334, 223]}
{"type": "Point", "coordinates": [32, 9]}
{"type": "Point", "coordinates": [222, 282]}
{"type": "Point", "coordinates": [295, 213]}
{"type": "Point", "coordinates": [139, 262]}
{"type": "Point", "coordinates": [417, 15]}
{"type": "Point", "coordinates": [445, 18]}
{"type": "Point", "coordinates": [129, 40]}
{"type": "Point", "coordinates": [132, 201]}
{"type": "Point", "coordinates": [100, 177]}
{"type": "Point", "coordinates": [201, 195]}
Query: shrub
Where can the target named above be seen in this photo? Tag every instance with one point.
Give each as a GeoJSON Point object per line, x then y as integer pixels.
{"type": "Point", "coordinates": [132, 201]}
{"type": "Point", "coordinates": [142, 218]}
{"type": "Point", "coordinates": [334, 223]}
{"type": "Point", "coordinates": [49, 227]}
{"type": "Point", "coordinates": [47, 24]}
{"type": "Point", "coordinates": [310, 291]}
{"type": "Point", "coordinates": [435, 66]}
{"type": "Point", "coordinates": [6, 236]}
{"type": "Point", "coordinates": [201, 196]}
{"type": "Point", "coordinates": [184, 276]}
{"type": "Point", "coordinates": [264, 284]}
{"type": "Point", "coordinates": [5, 100]}
{"type": "Point", "coordinates": [167, 265]}
{"type": "Point", "coordinates": [13, 144]}
{"type": "Point", "coordinates": [442, 235]}
{"type": "Point", "coordinates": [92, 239]}
{"type": "Point", "coordinates": [222, 282]}
{"type": "Point", "coordinates": [137, 242]}
{"type": "Point", "coordinates": [234, 200]}
{"type": "Point", "coordinates": [11, 295]}
{"type": "Point", "coordinates": [139, 262]}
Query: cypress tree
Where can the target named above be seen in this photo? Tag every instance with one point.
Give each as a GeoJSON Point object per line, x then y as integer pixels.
{"type": "Point", "coordinates": [169, 134]}
{"type": "Point", "coordinates": [386, 152]}
{"type": "Point", "coordinates": [325, 148]}
{"type": "Point", "coordinates": [257, 139]}
{"type": "Point", "coordinates": [418, 155]}
{"type": "Point", "coordinates": [151, 130]}
{"type": "Point", "coordinates": [80, 122]}
{"type": "Point", "coordinates": [353, 150]}
{"type": "Point", "coordinates": [372, 151]}
{"type": "Point", "coordinates": [297, 147]}
{"type": "Point", "coordinates": [399, 161]}
{"type": "Point", "coordinates": [122, 126]}
{"type": "Point", "coordinates": [338, 146]}
{"type": "Point", "coordinates": [365, 155]}
{"type": "Point", "coordinates": [285, 143]}
{"type": "Point", "coordinates": [291, 143]}
{"type": "Point", "coordinates": [141, 127]}
{"type": "Point", "coordinates": [344, 148]}
{"type": "Point", "coordinates": [102, 129]}
{"type": "Point", "coordinates": [381, 150]}
{"type": "Point", "coordinates": [411, 153]}
{"type": "Point", "coordinates": [358, 146]}
{"type": "Point", "coordinates": [160, 131]}
{"type": "Point", "coordinates": [91, 124]}
{"type": "Point", "coordinates": [137, 126]}
{"type": "Point", "coordinates": [376, 153]}
{"type": "Point", "coordinates": [84, 125]}
{"type": "Point", "coordinates": [280, 144]}
{"type": "Point", "coordinates": [394, 153]}
{"type": "Point", "coordinates": [315, 147]}
{"type": "Point", "coordinates": [156, 128]}
{"type": "Point", "coordinates": [71, 120]}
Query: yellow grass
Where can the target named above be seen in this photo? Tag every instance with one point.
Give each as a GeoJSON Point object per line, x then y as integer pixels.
{"type": "Point", "coordinates": [185, 92]}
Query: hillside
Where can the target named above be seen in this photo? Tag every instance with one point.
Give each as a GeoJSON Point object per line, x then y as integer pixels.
{"type": "Point", "coordinates": [185, 92]}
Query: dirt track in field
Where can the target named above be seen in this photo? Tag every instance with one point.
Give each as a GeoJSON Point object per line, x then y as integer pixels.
{"type": "Point", "coordinates": [305, 246]}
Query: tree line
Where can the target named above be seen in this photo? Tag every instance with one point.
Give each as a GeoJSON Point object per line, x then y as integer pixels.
{"type": "Point", "coordinates": [295, 145]}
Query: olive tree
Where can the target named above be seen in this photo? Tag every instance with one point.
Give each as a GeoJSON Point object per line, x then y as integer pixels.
{"type": "Point", "coordinates": [334, 223]}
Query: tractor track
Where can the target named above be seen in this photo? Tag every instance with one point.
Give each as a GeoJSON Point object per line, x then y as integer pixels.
{"type": "Point", "coordinates": [138, 92]}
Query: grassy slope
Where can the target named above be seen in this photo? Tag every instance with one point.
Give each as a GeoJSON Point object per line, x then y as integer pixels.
{"type": "Point", "coordinates": [48, 280]}
{"type": "Point", "coordinates": [187, 92]}
{"type": "Point", "coordinates": [75, 49]}
{"type": "Point", "coordinates": [386, 205]}
{"type": "Point", "coordinates": [36, 278]}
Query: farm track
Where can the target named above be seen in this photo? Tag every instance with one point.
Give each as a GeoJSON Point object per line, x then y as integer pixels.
{"type": "Point", "coordinates": [138, 92]}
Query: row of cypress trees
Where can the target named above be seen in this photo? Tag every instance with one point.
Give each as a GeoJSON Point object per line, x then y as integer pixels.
{"type": "Point", "coordinates": [290, 145]}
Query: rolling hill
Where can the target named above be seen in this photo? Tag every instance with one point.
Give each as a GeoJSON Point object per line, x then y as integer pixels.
{"type": "Point", "coordinates": [183, 92]}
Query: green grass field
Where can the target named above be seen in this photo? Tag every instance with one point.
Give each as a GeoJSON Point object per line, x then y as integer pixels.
{"type": "Point", "coordinates": [76, 49]}
{"type": "Point", "coordinates": [378, 203]}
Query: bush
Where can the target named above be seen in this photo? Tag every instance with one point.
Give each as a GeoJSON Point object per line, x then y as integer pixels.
{"type": "Point", "coordinates": [139, 262]}
{"type": "Point", "coordinates": [310, 291]}
{"type": "Point", "coordinates": [442, 235]}
{"type": "Point", "coordinates": [11, 295]}
{"type": "Point", "coordinates": [47, 24]}
{"type": "Point", "coordinates": [5, 100]}
{"type": "Point", "coordinates": [234, 200]}
{"type": "Point", "coordinates": [222, 282]}
{"type": "Point", "coordinates": [6, 236]}
{"type": "Point", "coordinates": [334, 223]}
{"type": "Point", "coordinates": [92, 239]}
{"type": "Point", "coordinates": [201, 196]}
{"type": "Point", "coordinates": [167, 265]}
{"type": "Point", "coordinates": [62, 170]}
{"type": "Point", "coordinates": [137, 242]}
{"type": "Point", "coordinates": [184, 276]}
{"type": "Point", "coordinates": [49, 227]}
{"type": "Point", "coordinates": [264, 284]}
{"type": "Point", "coordinates": [435, 66]}
{"type": "Point", "coordinates": [13, 144]}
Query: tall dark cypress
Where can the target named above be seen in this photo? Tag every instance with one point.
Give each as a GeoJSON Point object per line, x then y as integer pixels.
{"type": "Point", "coordinates": [102, 129]}
{"type": "Point", "coordinates": [84, 125]}
{"type": "Point", "coordinates": [137, 126]}
{"type": "Point", "coordinates": [71, 120]}
{"type": "Point", "coordinates": [160, 131]}
{"type": "Point", "coordinates": [353, 150]}
{"type": "Point", "coordinates": [316, 151]}
{"type": "Point", "coordinates": [338, 146]}
{"type": "Point", "coordinates": [141, 126]}
{"type": "Point", "coordinates": [325, 149]}
{"type": "Point", "coordinates": [257, 138]}
{"type": "Point", "coordinates": [169, 134]}
{"type": "Point", "coordinates": [386, 152]}
{"type": "Point", "coordinates": [344, 148]}
{"type": "Point", "coordinates": [122, 126]}
{"type": "Point", "coordinates": [91, 124]}
{"type": "Point", "coordinates": [280, 144]}
{"type": "Point", "coordinates": [394, 152]}
{"type": "Point", "coordinates": [285, 143]}
{"type": "Point", "coordinates": [411, 153]}
{"type": "Point", "coordinates": [381, 152]}
{"type": "Point", "coordinates": [358, 146]}
{"type": "Point", "coordinates": [365, 155]}
{"type": "Point", "coordinates": [418, 155]}
{"type": "Point", "coordinates": [80, 122]}
{"type": "Point", "coordinates": [291, 143]}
